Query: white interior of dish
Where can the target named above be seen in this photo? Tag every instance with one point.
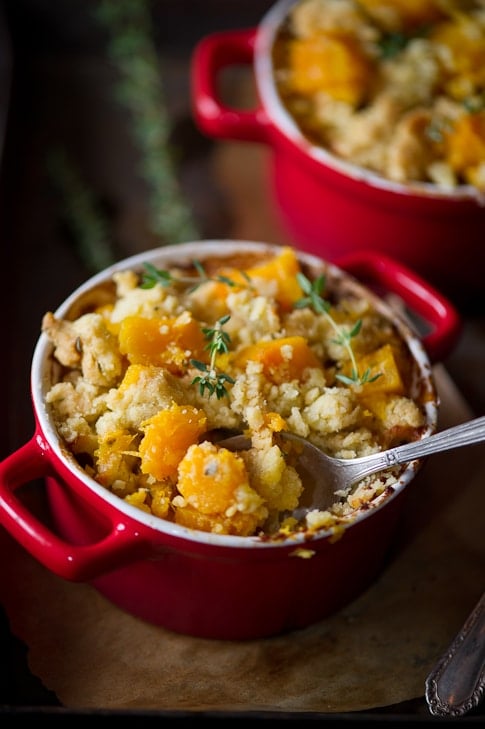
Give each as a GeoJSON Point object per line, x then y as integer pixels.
{"type": "Point", "coordinates": [42, 374]}
{"type": "Point", "coordinates": [267, 31]}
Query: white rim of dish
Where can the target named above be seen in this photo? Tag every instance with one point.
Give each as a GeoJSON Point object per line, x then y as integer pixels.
{"type": "Point", "coordinates": [180, 253]}
{"type": "Point", "coordinates": [265, 37]}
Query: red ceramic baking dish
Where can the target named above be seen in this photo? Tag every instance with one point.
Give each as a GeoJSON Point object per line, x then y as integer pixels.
{"type": "Point", "coordinates": [330, 206]}
{"type": "Point", "coordinates": [211, 585]}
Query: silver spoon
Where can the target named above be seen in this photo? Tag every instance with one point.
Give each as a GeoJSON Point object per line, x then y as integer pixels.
{"type": "Point", "coordinates": [323, 475]}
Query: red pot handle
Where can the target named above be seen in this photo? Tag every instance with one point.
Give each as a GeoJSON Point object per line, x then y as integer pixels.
{"type": "Point", "coordinates": [211, 55]}
{"type": "Point", "coordinates": [435, 310]}
{"type": "Point", "coordinates": [72, 562]}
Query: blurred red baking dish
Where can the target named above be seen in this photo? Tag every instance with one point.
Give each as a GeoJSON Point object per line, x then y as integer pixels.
{"type": "Point", "coordinates": [193, 582]}
{"type": "Point", "coordinates": [328, 206]}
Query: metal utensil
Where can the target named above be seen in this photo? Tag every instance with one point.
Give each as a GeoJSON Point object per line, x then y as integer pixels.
{"type": "Point", "coordinates": [456, 685]}
{"type": "Point", "coordinates": [323, 475]}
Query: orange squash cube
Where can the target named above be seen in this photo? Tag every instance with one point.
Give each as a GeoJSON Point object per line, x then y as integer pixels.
{"type": "Point", "coordinates": [116, 458]}
{"type": "Point", "coordinates": [466, 143]}
{"type": "Point", "coordinates": [382, 362]}
{"type": "Point", "coordinates": [281, 271]}
{"type": "Point", "coordinates": [167, 436]}
{"type": "Point", "coordinates": [274, 422]}
{"type": "Point", "coordinates": [465, 44]}
{"type": "Point", "coordinates": [214, 484]}
{"type": "Point", "coordinates": [167, 342]}
{"type": "Point", "coordinates": [282, 359]}
{"type": "Point", "coordinates": [241, 525]}
{"type": "Point", "coordinates": [209, 478]}
{"type": "Point", "coordinates": [334, 65]}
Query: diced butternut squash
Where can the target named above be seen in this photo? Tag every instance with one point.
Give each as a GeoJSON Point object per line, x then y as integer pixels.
{"type": "Point", "coordinates": [279, 273]}
{"type": "Point", "coordinates": [281, 270]}
{"type": "Point", "coordinates": [116, 459]}
{"type": "Point", "coordinates": [282, 359]}
{"type": "Point", "coordinates": [167, 342]}
{"type": "Point", "coordinates": [274, 422]}
{"type": "Point", "coordinates": [334, 65]}
{"type": "Point", "coordinates": [215, 487]}
{"type": "Point", "coordinates": [376, 403]}
{"type": "Point", "coordinates": [241, 525]}
{"type": "Point", "coordinates": [382, 362]}
{"type": "Point", "coordinates": [161, 498]}
{"type": "Point", "coordinates": [155, 499]}
{"type": "Point", "coordinates": [466, 143]}
{"type": "Point", "coordinates": [209, 477]}
{"type": "Point", "coordinates": [132, 376]}
{"type": "Point", "coordinates": [138, 499]}
{"type": "Point", "coordinates": [167, 436]}
{"type": "Point", "coordinates": [464, 41]}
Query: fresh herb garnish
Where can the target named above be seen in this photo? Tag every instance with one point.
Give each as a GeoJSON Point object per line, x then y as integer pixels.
{"type": "Point", "coordinates": [218, 343]}
{"type": "Point", "coordinates": [474, 104]}
{"type": "Point", "coordinates": [392, 43]}
{"type": "Point", "coordinates": [313, 298]}
{"type": "Point", "coordinates": [437, 129]}
{"type": "Point", "coordinates": [214, 382]}
{"type": "Point", "coordinates": [153, 276]}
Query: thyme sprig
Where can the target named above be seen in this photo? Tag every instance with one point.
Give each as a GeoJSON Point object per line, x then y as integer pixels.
{"type": "Point", "coordinates": [393, 43]}
{"type": "Point", "coordinates": [218, 343]}
{"type": "Point", "coordinates": [218, 340]}
{"type": "Point", "coordinates": [313, 298]}
{"type": "Point", "coordinates": [474, 104]}
{"type": "Point", "coordinates": [139, 87]}
{"type": "Point", "coordinates": [154, 275]}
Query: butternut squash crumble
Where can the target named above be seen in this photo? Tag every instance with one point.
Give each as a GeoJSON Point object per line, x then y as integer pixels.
{"type": "Point", "coordinates": [394, 87]}
{"type": "Point", "coordinates": [150, 381]}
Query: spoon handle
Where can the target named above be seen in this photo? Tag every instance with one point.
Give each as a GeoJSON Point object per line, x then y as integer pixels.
{"type": "Point", "coordinates": [457, 436]}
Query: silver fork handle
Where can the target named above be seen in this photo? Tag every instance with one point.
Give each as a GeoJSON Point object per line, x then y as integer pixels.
{"type": "Point", "coordinates": [455, 437]}
{"type": "Point", "coordinates": [456, 685]}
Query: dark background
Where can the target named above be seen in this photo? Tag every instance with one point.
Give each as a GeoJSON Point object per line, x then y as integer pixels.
{"type": "Point", "coordinates": [62, 98]}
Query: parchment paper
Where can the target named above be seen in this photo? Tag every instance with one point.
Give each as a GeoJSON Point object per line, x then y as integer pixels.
{"type": "Point", "coordinates": [375, 652]}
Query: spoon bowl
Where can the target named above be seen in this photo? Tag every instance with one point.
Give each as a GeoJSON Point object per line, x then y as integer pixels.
{"type": "Point", "coordinates": [324, 476]}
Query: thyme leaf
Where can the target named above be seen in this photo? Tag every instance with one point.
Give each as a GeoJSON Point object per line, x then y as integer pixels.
{"type": "Point", "coordinates": [211, 380]}
{"type": "Point", "coordinates": [474, 104]}
{"type": "Point", "coordinates": [313, 291]}
{"type": "Point", "coordinates": [218, 340]}
{"type": "Point", "coordinates": [392, 43]}
{"type": "Point", "coordinates": [152, 276]}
